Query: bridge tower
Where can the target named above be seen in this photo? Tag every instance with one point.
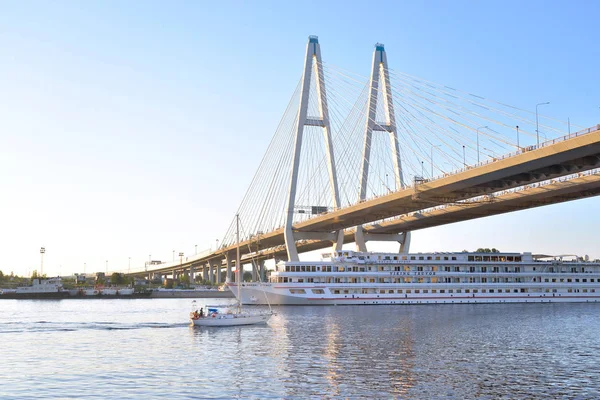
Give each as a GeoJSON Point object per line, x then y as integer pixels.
{"type": "Point", "coordinates": [312, 66]}
{"type": "Point", "coordinates": [380, 80]}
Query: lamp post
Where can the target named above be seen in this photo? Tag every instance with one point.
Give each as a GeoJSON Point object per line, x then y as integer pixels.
{"type": "Point", "coordinates": [106, 267]}
{"type": "Point", "coordinates": [481, 127]}
{"type": "Point", "coordinates": [195, 249]}
{"type": "Point", "coordinates": [42, 252]}
{"type": "Point", "coordinates": [432, 146]}
{"type": "Point", "coordinates": [173, 255]}
{"type": "Point", "coordinates": [180, 257]}
{"type": "Point", "coordinates": [518, 138]}
{"type": "Point", "coordinates": [422, 170]}
{"type": "Point", "coordinates": [129, 269]}
{"type": "Point", "coordinates": [537, 127]}
{"type": "Point", "coordinates": [464, 157]}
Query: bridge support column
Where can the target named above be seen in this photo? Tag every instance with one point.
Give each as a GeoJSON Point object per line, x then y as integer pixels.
{"type": "Point", "coordinates": [405, 244]}
{"type": "Point", "coordinates": [228, 259]}
{"type": "Point", "coordinates": [239, 272]}
{"type": "Point", "coordinates": [312, 65]}
{"type": "Point", "coordinates": [218, 271]}
{"type": "Point", "coordinates": [261, 270]}
{"type": "Point", "coordinates": [204, 272]}
{"type": "Point", "coordinates": [254, 271]}
{"type": "Point", "coordinates": [402, 238]}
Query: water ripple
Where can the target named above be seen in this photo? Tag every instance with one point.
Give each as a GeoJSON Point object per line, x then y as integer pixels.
{"type": "Point", "coordinates": [147, 348]}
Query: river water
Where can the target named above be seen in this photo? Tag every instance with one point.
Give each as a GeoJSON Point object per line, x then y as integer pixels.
{"type": "Point", "coordinates": [146, 348]}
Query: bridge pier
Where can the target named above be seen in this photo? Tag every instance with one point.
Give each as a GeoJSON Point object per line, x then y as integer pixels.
{"type": "Point", "coordinates": [218, 263]}
{"type": "Point", "coordinates": [239, 275]}
{"type": "Point", "coordinates": [211, 272]}
{"type": "Point", "coordinates": [261, 270]}
{"type": "Point", "coordinates": [254, 271]}
{"type": "Point", "coordinates": [229, 261]}
{"type": "Point", "coordinates": [204, 272]}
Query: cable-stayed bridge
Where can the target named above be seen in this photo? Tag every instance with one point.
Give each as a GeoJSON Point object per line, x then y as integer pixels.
{"type": "Point", "coordinates": [359, 159]}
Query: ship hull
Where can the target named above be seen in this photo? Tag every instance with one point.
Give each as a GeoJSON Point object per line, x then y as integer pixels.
{"type": "Point", "coordinates": [270, 294]}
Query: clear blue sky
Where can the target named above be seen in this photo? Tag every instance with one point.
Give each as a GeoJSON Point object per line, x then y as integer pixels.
{"type": "Point", "coordinates": [134, 128]}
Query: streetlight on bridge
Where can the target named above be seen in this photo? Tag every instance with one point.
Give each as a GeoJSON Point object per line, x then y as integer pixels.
{"type": "Point", "coordinates": [464, 157]}
{"type": "Point", "coordinates": [537, 130]}
{"type": "Point", "coordinates": [180, 257]}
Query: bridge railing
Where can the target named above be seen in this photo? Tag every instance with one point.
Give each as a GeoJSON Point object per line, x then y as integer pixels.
{"type": "Point", "coordinates": [489, 197]}
{"type": "Point", "coordinates": [522, 150]}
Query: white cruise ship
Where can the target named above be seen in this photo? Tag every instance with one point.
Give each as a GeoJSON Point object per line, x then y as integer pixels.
{"type": "Point", "coordinates": [349, 277]}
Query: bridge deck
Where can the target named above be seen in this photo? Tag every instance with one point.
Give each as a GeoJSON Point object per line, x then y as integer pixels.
{"type": "Point", "coordinates": [413, 206]}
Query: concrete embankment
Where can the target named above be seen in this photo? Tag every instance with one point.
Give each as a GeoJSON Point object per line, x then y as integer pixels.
{"type": "Point", "coordinates": [185, 294]}
{"type": "Point", "coordinates": [155, 294]}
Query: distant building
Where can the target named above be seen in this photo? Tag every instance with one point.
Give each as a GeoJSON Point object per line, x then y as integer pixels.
{"type": "Point", "coordinates": [80, 278]}
{"type": "Point", "coordinates": [140, 282]}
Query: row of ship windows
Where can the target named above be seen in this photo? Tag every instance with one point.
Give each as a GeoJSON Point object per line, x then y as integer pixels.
{"type": "Point", "coordinates": [435, 291]}
{"type": "Point", "coordinates": [446, 258]}
{"type": "Point", "coordinates": [427, 280]}
{"type": "Point", "coordinates": [408, 268]}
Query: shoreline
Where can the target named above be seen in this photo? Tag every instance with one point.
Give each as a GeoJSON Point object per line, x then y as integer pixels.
{"type": "Point", "coordinates": [157, 294]}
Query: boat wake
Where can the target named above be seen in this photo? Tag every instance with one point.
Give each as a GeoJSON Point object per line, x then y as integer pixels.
{"type": "Point", "coordinates": [48, 326]}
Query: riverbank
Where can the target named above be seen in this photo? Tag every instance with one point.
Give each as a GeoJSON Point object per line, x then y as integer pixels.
{"type": "Point", "coordinates": [191, 294]}
{"type": "Point", "coordinates": [150, 294]}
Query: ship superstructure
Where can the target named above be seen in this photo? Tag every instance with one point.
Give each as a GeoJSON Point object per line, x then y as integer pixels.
{"type": "Point", "coordinates": [349, 277]}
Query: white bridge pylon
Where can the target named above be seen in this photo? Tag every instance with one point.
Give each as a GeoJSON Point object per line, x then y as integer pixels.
{"type": "Point", "coordinates": [380, 81]}
{"type": "Point", "coordinates": [312, 65]}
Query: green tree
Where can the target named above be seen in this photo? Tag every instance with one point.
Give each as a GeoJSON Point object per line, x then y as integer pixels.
{"type": "Point", "coordinates": [247, 276]}
{"type": "Point", "coordinates": [1, 276]}
{"type": "Point", "coordinates": [185, 280]}
{"type": "Point", "coordinates": [117, 279]}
